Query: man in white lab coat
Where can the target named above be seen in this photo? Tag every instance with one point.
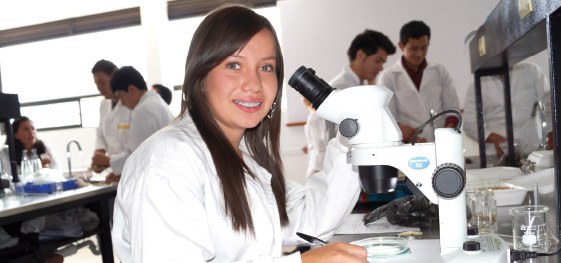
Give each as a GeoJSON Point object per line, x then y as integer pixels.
{"type": "Point", "coordinates": [114, 118]}
{"type": "Point", "coordinates": [419, 86]}
{"type": "Point", "coordinates": [528, 85]}
{"type": "Point", "coordinates": [367, 54]}
{"type": "Point", "coordinates": [149, 113]}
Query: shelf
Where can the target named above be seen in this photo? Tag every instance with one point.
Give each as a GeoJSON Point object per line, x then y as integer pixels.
{"type": "Point", "coordinates": [509, 38]}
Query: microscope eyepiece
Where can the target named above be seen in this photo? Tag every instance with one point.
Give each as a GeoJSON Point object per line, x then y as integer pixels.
{"type": "Point", "coordinates": [313, 88]}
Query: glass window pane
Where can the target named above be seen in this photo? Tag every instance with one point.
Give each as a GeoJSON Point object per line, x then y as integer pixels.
{"type": "Point", "coordinates": [61, 68]}
{"type": "Point", "coordinates": [90, 111]}
{"type": "Point", "coordinates": [30, 12]}
{"type": "Point", "coordinates": [53, 115]}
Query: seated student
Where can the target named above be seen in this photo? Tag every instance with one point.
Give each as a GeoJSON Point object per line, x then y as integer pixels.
{"type": "Point", "coordinates": [164, 92]}
{"type": "Point", "coordinates": [528, 85]}
{"type": "Point", "coordinates": [149, 114]}
{"type": "Point", "coordinates": [210, 187]}
{"type": "Point", "coordinates": [25, 138]}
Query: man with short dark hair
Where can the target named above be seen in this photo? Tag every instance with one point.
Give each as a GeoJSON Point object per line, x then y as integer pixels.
{"type": "Point", "coordinates": [164, 92]}
{"type": "Point", "coordinates": [419, 86]}
{"type": "Point", "coordinates": [112, 132]}
{"type": "Point", "coordinates": [367, 54]}
{"type": "Point", "coordinates": [149, 114]}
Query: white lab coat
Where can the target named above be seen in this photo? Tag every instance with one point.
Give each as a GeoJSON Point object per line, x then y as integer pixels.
{"type": "Point", "coordinates": [527, 86]}
{"type": "Point", "coordinates": [150, 114]}
{"type": "Point", "coordinates": [411, 106]}
{"type": "Point", "coordinates": [114, 126]}
{"type": "Point", "coordinates": [345, 79]}
{"type": "Point", "coordinates": [170, 206]}
{"type": "Point", "coordinates": [315, 137]}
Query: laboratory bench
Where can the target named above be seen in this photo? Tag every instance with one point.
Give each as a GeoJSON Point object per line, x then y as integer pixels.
{"type": "Point", "coordinates": [503, 227]}
{"type": "Point", "coordinates": [15, 209]}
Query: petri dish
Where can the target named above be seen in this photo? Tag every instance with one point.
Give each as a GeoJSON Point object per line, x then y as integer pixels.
{"type": "Point", "coordinates": [384, 247]}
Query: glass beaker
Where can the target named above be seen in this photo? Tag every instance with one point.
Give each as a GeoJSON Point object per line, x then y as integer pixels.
{"type": "Point", "coordinates": [529, 229]}
{"type": "Point", "coordinates": [484, 210]}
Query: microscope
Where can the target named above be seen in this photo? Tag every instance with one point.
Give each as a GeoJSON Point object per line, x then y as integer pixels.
{"type": "Point", "coordinates": [433, 170]}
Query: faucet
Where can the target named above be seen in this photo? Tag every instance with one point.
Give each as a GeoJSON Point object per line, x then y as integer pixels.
{"type": "Point", "coordinates": [540, 109]}
{"type": "Point", "coordinates": [68, 155]}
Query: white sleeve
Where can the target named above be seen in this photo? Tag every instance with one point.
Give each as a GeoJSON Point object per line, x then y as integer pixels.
{"type": "Point", "coordinates": [329, 196]}
{"type": "Point", "coordinates": [469, 124]}
{"type": "Point", "coordinates": [54, 161]}
{"type": "Point", "coordinates": [317, 144]}
{"type": "Point", "coordinates": [449, 96]}
{"type": "Point", "coordinates": [144, 123]}
{"type": "Point", "coordinates": [100, 142]}
{"type": "Point", "coordinates": [152, 206]}
{"type": "Point", "coordinates": [387, 81]}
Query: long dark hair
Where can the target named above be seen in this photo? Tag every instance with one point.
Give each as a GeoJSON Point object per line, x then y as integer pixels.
{"type": "Point", "coordinates": [18, 146]}
{"type": "Point", "coordinates": [222, 33]}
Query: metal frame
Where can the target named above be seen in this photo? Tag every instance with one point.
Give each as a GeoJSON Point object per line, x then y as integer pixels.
{"type": "Point", "coordinates": [553, 46]}
{"type": "Point", "coordinates": [47, 102]}
{"type": "Point", "coordinates": [513, 39]}
{"type": "Point", "coordinates": [479, 112]}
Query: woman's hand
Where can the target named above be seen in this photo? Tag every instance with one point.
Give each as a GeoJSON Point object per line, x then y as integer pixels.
{"type": "Point", "coordinates": [45, 162]}
{"type": "Point", "coordinates": [336, 252]}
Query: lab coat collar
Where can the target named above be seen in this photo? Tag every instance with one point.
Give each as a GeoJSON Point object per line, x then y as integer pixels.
{"type": "Point", "coordinates": [188, 126]}
{"type": "Point", "coordinates": [349, 71]}
{"type": "Point", "coordinates": [398, 66]}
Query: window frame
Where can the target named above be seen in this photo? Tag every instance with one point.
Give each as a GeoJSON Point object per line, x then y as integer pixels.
{"type": "Point", "coordinates": [61, 100]}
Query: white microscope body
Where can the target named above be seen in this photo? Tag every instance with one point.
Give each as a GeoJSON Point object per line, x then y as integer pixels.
{"type": "Point", "coordinates": [436, 169]}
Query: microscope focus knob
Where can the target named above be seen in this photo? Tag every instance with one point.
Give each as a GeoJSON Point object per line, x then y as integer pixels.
{"type": "Point", "coordinates": [348, 127]}
{"type": "Point", "coordinates": [448, 180]}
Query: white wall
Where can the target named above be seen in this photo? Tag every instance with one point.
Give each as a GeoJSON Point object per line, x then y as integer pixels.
{"type": "Point", "coordinates": [317, 33]}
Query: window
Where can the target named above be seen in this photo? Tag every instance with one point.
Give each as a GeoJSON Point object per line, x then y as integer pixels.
{"type": "Point", "coordinates": [76, 112]}
{"type": "Point", "coordinates": [47, 71]}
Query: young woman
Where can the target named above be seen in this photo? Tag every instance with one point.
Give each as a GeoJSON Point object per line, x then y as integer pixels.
{"type": "Point", "coordinates": [25, 138]}
{"type": "Point", "coordinates": [209, 187]}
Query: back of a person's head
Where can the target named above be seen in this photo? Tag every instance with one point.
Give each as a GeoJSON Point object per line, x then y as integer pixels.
{"type": "Point", "coordinates": [414, 29]}
{"type": "Point", "coordinates": [369, 42]}
{"type": "Point", "coordinates": [125, 76]}
{"type": "Point", "coordinates": [164, 92]}
{"type": "Point", "coordinates": [104, 66]}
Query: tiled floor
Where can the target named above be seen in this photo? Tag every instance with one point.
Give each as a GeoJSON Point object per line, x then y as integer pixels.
{"type": "Point", "coordinates": [85, 255]}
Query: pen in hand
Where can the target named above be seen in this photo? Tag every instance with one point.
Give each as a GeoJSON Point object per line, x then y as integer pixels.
{"type": "Point", "coordinates": [313, 240]}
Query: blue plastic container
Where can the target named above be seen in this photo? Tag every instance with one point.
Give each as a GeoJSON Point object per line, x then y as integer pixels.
{"type": "Point", "coordinates": [48, 188]}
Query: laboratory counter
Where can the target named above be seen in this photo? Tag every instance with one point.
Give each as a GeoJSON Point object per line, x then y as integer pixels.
{"type": "Point", "coordinates": [503, 228]}
{"type": "Point", "coordinates": [15, 209]}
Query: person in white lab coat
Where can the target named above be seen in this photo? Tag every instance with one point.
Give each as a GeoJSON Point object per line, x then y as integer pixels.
{"type": "Point", "coordinates": [315, 138]}
{"type": "Point", "coordinates": [367, 54]}
{"type": "Point", "coordinates": [419, 86]}
{"type": "Point", "coordinates": [528, 85]}
{"type": "Point", "coordinates": [25, 138]}
{"type": "Point", "coordinates": [164, 92]}
{"type": "Point", "coordinates": [209, 187]}
{"type": "Point", "coordinates": [114, 118]}
{"type": "Point", "coordinates": [149, 114]}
